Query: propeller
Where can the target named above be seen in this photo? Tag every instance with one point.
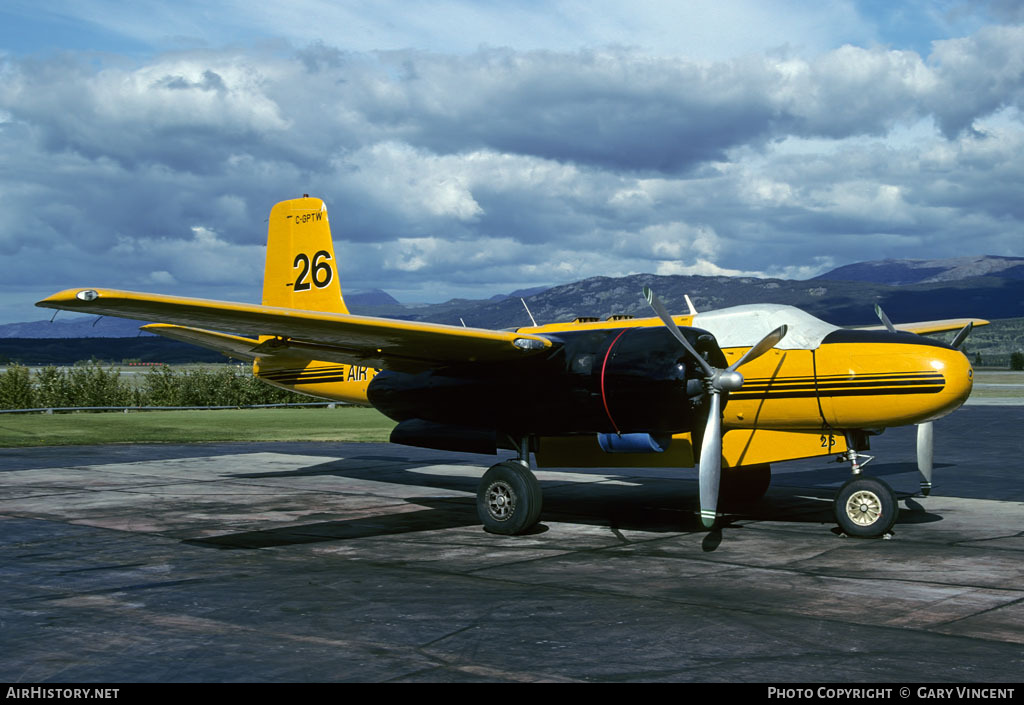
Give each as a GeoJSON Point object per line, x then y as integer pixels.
{"type": "Point", "coordinates": [716, 381]}
{"type": "Point", "coordinates": [884, 319]}
{"type": "Point", "coordinates": [960, 338]}
{"type": "Point", "coordinates": [926, 431]}
{"type": "Point", "coordinates": [925, 454]}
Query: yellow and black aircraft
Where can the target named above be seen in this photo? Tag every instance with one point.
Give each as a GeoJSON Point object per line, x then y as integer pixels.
{"type": "Point", "coordinates": [664, 391]}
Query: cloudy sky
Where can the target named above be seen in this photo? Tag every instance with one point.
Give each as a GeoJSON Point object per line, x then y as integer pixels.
{"type": "Point", "coordinates": [467, 148]}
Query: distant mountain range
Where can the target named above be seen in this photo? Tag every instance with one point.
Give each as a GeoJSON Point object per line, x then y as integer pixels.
{"type": "Point", "coordinates": [927, 271]}
{"type": "Point", "coordinates": [986, 287]}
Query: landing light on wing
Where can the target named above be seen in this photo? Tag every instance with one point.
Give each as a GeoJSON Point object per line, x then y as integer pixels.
{"type": "Point", "coordinates": [528, 344]}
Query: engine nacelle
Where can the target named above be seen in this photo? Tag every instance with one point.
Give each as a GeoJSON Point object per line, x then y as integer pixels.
{"type": "Point", "coordinates": [624, 380]}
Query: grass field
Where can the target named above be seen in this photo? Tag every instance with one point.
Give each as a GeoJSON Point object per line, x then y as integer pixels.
{"type": "Point", "coordinates": [340, 424]}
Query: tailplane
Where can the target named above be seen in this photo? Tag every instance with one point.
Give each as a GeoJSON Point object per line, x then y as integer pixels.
{"type": "Point", "coordinates": [301, 271]}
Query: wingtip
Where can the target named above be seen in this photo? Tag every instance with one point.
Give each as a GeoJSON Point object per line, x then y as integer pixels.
{"type": "Point", "coordinates": [54, 300]}
{"type": "Point", "coordinates": [69, 298]}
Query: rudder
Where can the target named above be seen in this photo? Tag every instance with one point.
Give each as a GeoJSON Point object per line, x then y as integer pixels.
{"type": "Point", "coordinates": [301, 271]}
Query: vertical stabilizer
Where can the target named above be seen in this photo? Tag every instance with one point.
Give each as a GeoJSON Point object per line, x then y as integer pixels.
{"type": "Point", "coordinates": [301, 270]}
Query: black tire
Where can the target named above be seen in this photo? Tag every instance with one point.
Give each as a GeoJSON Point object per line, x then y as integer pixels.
{"type": "Point", "coordinates": [509, 499]}
{"type": "Point", "coordinates": [741, 486]}
{"type": "Point", "coordinates": [866, 507]}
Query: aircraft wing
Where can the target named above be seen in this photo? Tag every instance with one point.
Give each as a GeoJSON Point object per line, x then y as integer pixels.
{"type": "Point", "coordinates": [925, 327]}
{"type": "Point", "coordinates": [382, 343]}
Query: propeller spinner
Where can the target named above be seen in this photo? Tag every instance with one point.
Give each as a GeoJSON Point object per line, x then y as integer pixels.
{"type": "Point", "coordinates": [716, 381]}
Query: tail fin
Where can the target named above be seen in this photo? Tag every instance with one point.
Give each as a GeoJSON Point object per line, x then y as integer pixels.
{"type": "Point", "coordinates": [301, 270]}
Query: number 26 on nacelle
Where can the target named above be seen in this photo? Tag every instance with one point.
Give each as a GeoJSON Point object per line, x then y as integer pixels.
{"type": "Point", "coordinates": [730, 391]}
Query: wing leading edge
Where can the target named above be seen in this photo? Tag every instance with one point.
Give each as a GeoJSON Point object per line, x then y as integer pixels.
{"type": "Point", "coordinates": [405, 346]}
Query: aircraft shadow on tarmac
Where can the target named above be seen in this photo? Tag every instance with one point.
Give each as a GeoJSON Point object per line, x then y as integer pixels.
{"type": "Point", "coordinates": [627, 502]}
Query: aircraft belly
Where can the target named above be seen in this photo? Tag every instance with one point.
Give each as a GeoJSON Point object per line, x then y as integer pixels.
{"type": "Point", "coordinates": [740, 447]}
{"type": "Point", "coordinates": [744, 447]}
{"type": "Point", "coordinates": [585, 452]}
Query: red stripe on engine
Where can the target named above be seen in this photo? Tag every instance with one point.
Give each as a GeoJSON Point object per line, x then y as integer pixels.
{"type": "Point", "coordinates": [604, 398]}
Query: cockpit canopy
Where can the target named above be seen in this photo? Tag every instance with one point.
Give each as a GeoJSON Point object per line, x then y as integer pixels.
{"type": "Point", "coordinates": [742, 326]}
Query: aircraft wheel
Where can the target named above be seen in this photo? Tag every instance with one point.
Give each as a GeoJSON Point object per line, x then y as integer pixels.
{"type": "Point", "coordinates": [866, 507]}
{"type": "Point", "coordinates": [744, 485]}
{"type": "Point", "coordinates": [509, 499]}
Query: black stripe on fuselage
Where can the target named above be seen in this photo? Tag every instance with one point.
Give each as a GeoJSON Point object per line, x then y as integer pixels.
{"type": "Point", "coordinates": [885, 384]}
{"type": "Point", "coordinates": [782, 386]}
{"type": "Point", "coordinates": [304, 380]}
{"type": "Point", "coordinates": [317, 375]}
{"type": "Point", "coordinates": [302, 370]}
{"type": "Point", "coordinates": [922, 374]}
{"type": "Point", "coordinates": [852, 392]}
{"type": "Point", "coordinates": [309, 375]}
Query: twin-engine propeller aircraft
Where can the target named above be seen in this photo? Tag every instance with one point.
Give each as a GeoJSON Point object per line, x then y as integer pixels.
{"type": "Point", "coordinates": [731, 391]}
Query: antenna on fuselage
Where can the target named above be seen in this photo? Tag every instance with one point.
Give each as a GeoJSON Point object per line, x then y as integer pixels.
{"type": "Point", "coordinates": [689, 305]}
{"type": "Point", "coordinates": [532, 319]}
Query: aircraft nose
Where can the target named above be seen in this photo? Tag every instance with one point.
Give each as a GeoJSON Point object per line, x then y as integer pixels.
{"type": "Point", "coordinates": [958, 380]}
{"type": "Point", "coordinates": [891, 380]}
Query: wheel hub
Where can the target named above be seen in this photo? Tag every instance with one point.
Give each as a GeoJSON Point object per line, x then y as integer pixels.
{"type": "Point", "coordinates": [864, 508]}
{"type": "Point", "coordinates": [501, 500]}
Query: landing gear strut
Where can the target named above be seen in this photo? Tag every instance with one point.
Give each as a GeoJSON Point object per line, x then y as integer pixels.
{"type": "Point", "coordinates": [509, 498]}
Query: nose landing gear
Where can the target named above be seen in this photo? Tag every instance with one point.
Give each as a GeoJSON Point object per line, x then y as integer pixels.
{"type": "Point", "coordinates": [865, 506]}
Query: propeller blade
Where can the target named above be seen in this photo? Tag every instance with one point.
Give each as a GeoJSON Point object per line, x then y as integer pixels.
{"type": "Point", "coordinates": [764, 345]}
{"type": "Point", "coordinates": [659, 308]}
{"type": "Point", "coordinates": [884, 319]}
{"type": "Point", "coordinates": [711, 462]}
{"type": "Point", "coordinates": [960, 337]}
{"type": "Point", "coordinates": [925, 454]}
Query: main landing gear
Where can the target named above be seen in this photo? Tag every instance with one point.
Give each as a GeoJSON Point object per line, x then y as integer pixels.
{"type": "Point", "coordinates": [865, 506]}
{"type": "Point", "coordinates": [509, 498]}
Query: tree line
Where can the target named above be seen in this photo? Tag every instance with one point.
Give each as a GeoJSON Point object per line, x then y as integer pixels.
{"type": "Point", "coordinates": [94, 385]}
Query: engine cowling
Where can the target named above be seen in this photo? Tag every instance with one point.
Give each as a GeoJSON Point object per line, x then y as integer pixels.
{"type": "Point", "coordinates": [624, 380]}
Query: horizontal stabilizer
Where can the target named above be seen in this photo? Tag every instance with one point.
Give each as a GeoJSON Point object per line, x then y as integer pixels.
{"type": "Point", "coordinates": [230, 345]}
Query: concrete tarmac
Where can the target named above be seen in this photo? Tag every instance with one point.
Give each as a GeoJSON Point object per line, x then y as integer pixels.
{"type": "Point", "coordinates": [365, 562]}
